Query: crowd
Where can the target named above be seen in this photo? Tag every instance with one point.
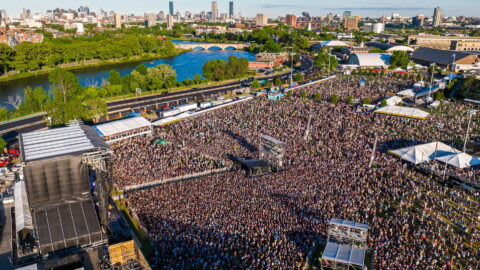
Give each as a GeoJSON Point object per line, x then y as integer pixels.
{"type": "Point", "coordinates": [229, 221]}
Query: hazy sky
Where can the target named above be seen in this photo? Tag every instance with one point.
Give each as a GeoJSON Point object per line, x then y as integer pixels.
{"type": "Point", "coordinates": [273, 8]}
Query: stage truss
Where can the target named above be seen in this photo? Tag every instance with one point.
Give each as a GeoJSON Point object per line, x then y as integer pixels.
{"type": "Point", "coordinates": [272, 150]}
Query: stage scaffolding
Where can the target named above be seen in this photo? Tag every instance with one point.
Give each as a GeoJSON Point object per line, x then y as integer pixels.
{"type": "Point", "coordinates": [272, 150]}
{"type": "Point", "coordinates": [346, 245]}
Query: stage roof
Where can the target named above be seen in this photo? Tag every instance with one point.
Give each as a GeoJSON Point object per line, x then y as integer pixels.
{"type": "Point", "coordinates": [59, 141]}
{"type": "Point", "coordinates": [459, 160]}
{"type": "Point", "coordinates": [344, 254]}
{"type": "Point", "coordinates": [403, 111]}
{"type": "Point", "coordinates": [273, 140]}
{"type": "Point", "coordinates": [349, 223]}
{"type": "Point", "coordinates": [121, 126]}
{"type": "Point", "coordinates": [23, 216]}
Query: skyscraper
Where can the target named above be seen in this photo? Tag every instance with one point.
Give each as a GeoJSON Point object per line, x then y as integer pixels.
{"type": "Point", "coordinates": [230, 11]}
{"type": "Point", "coordinates": [437, 16]}
{"type": "Point", "coordinates": [347, 13]}
{"type": "Point", "coordinates": [261, 20]}
{"type": "Point", "coordinates": [214, 10]}
{"type": "Point", "coordinates": [170, 8]}
{"type": "Point", "coordinates": [291, 20]}
{"type": "Point", "coordinates": [118, 20]}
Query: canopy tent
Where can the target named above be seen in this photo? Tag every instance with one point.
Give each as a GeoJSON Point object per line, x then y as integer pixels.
{"type": "Point", "coordinates": [120, 126]}
{"type": "Point", "coordinates": [424, 152]}
{"type": "Point", "coordinates": [393, 100]}
{"type": "Point", "coordinates": [23, 216]}
{"type": "Point", "coordinates": [460, 160]}
{"type": "Point", "coordinates": [403, 111]}
{"type": "Point", "coordinates": [334, 43]}
{"type": "Point", "coordinates": [344, 254]}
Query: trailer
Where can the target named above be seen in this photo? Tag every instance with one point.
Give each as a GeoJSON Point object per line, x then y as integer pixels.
{"type": "Point", "coordinates": [168, 113]}
{"type": "Point", "coordinates": [204, 105]}
{"type": "Point", "coordinates": [187, 107]}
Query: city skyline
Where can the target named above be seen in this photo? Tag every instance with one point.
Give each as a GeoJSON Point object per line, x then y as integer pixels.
{"type": "Point", "coordinates": [249, 8]}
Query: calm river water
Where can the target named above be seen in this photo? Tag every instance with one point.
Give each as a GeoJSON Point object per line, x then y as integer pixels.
{"type": "Point", "coordinates": [186, 65]}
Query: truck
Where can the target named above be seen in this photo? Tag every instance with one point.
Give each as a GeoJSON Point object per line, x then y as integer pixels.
{"type": "Point", "coordinates": [206, 104]}
{"type": "Point", "coordinates": [167, 113]}
{"type": "Point", "coordinates": [187, 107]}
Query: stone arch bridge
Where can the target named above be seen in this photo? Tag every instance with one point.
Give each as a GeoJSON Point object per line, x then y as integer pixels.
{"type": "Point", "coordinates": [211, 46]}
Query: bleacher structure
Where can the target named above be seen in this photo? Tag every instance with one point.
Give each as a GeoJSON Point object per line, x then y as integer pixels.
{"type": "Point", "coordinates": [127, 255]}
{"type": "Point", "coordinates": [346, 245]}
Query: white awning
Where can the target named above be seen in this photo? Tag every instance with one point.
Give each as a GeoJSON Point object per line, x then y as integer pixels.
{"type": "Point", "coordinates": [424, 152]}
{"type": "Point", "coordinates": [23, 217]}
{"type": "Point", "coordinates": [344, 254]}
{"type": "Point", "coordinates": [459, 160]}
{"type": "Point", "coordinates": [403, 111]}
{"type": "Point", "coordinates": [393, 100]}
{"type": "Point", "coordinates": [121, 126]}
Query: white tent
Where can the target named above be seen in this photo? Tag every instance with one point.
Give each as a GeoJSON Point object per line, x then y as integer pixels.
{"type": "Point", "coordinates": [424, 152]}
{"type": "Point", "coordinates": [120, 126]}
{"type": "Point", "coordinates": [459, 160]}
{"type": "Point", "coordinates": [334, 43]}
{"type": "Point", "coordinates": [23, 217]}
{"type": "Point", "coordinates": [403, 111]}
{"type": "Point", "coordinates": [393, 100]}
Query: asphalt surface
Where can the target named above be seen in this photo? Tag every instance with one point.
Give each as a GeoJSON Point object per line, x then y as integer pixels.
{"type": "Point", "coordinates": [6, 237]}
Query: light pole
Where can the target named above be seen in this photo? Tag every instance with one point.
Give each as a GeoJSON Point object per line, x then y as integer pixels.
{"type": "Point", "coordinates": [431, 81]}
{"type": "Point", "coordinates": [470, 114]}
{"type": "Point", "coordinates": [452, 69]}
{"type": "Point", "coordinates": [329, 56]}
{"type": "Point", "coordinates": [291, 67]}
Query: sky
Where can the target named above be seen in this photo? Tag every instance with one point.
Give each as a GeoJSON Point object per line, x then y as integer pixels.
{"type": "Point", "coordinates": [274, 8]}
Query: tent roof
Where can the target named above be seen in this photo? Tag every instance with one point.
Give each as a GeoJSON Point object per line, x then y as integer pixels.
{"type": "Point", "coordinates": [23, 217]}
{"type": "Point", "coordinates": [334, 43]}
{"type": "Point", "coordinates": [403, 111]}
{"type": "Point", "coordinates": [59, 141]}
{"type": "Point", "coordinates": [344, 254]}
{"type": "Point", "coordinates": [393, 100]}
{"type": "Point", "coordinates": [389, 47]}
{"type": "Point", "coordinates": [424, 152]}
{"type": "Point", "coordinates": [370, 59]}
{"type": "Point", "coordinates": [459, 160]}
{"type": "Point", "coordinates": [121, 126]}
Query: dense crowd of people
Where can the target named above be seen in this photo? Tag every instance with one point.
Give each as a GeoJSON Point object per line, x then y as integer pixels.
{"type": "Point", "coordinates": [230, 221]}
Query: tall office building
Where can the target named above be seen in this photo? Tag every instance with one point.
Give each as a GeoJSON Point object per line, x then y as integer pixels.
{"type": "Point", "coordinates": [214, 10]}
{"type": "Point", "coordinates": [170, 21]}
{"type": "Point", "coordinates": [161, 15]}
{"type": "Point", "coordinates": [261, 19]}
{"type": "Point", "coordinates": [418, 20]}
{"type": "Point", "coordinates": [347, 13]}
{"type": "Point", "coordinates": [3, 14]}
{"type": "Point", "coordinates": [170, 8]}
{"type": "Point", "coordinates": [291, 20]}
{"type": "Point", "coordinates": [351, 23]}
{"type": "Point", "coordinates": [118, 20]}
{"type": "Point", "coordinates": [230, 10]}
{"type": "Point", "coordinates": [437, 16]}
{"type": "Point", "coordinates": [374, 28]}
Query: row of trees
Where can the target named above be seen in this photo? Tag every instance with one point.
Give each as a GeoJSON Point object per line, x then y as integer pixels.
{"type": "Point", "coordinates": [218, 70]}
{"type": "Point", "coordinates": [325, 61]}
{"type": "Point", "coordinates": [32, 56]}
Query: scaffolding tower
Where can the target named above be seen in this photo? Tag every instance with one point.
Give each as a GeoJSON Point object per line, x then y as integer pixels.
{"type": "Point", "coordinates": [347, 232]}
{"type": "Point", "coordinates": [272, 150]}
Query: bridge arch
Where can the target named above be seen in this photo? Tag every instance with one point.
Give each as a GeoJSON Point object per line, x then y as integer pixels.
{"type": "Point", "coordinates": [215, 48]}
{"type": "Point", "coordinates": [198, 48]}
{"type": "Point", "coordinates": [230, 48]}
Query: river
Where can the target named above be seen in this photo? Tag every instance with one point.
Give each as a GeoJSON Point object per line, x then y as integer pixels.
{"type": "Point", "coordinates": [186, 65]}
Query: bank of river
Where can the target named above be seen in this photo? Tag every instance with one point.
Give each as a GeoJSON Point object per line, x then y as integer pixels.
{"type": "Point", "coordinates": [186, 65]}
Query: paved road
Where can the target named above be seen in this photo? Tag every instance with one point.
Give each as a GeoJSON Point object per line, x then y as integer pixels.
{"type": "Point", "coordinates": [6, 237]}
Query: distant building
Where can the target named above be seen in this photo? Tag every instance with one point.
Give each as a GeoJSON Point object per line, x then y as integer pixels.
{"type": "Point", "coordinates": [418, 20]}
{"type": "Point", "coordinates": [460, 61]}
{"type": "Point", "coordinates": [214, 11]}
{"type": "Point", "coordinates": [151, 20]}
{"type": "Point", "coordinates": [291, 20]}
{"type": "Point", "coordinates": [161, 15]}
{"type": "Point", "coordinates": [445, 42]}
{"type": "Point", "coordinates": [347, 13]}
{"type": "Point", "coordinates": [268, 60]}
{"type": "Point", "coordinates": [170, 8]}
{"type": "Point", "coordinates": [389, 47]}
{"type": "Point", "coordinates": [230, 10]}
{"type": "Point", "coordinates": [12, 37]}
{"type": "Point", "coordinates": [351, 23]}
{"type": "Point", "coordinates": [170, 21]}
{"type": "Point", "coordinates": [118, 20]}
{"type": "Point", "coordinates": [261, 19]}
{"type": "Point", "coordinates": [437, 16]}
{"type": "Point", "coordinates": [374, 28]}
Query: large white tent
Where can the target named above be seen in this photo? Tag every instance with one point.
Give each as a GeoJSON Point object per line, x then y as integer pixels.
{"type": "Point", "coordinates": [459, 160]}
{"type": "Point", "coordinates": [403, 111]}
{"type": "Point", "coordinates": [124, 128]}
{"type": "Point", "coordinates": [424, 152]}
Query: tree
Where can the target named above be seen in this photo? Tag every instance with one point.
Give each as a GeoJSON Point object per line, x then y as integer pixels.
{"type": "Point", "coordinates": [289, 93]}
{"type": "Point", "coordinates": [4, 114]}
{"type": "Point", "coordinates": [384, 103]}
{"type": "Point", "coordinates": [419, 77]}
{"type": "Point", "coordinates": [334, 98]}
{"type": "Point", "coordinates": [303, 94]}
{"type": "Point", "coordinates": [3, 144]}
{"type": "Point", "coordinates": [399, 59]}
{"type": "Point", "coordinates": [65, 85]}
{"type": "Point", "coordinates": [318, 96]}
{"type": "Point", "coordinates": [323, 59]}
{"type": "Point", "coordinates": [114, 77]}
{"type": "Point", "coordinates": [272, 46]}
{"type": "Point", "coordinates": [277, 81]}
{"type": "Point", "coordinates": [439, 96]}
{"type": "Point", "coordinates": [302, 43]}
{"type": "Point", "coordinates": [7, 55]}
{"type": "Point", "coordinates": [298, 77]}
{"type": "Point", "coordinates": [255, 84]}
{"type": "Point", "coordinates": [350, 100]}
{"type": "Point", "coordinates": [366, 101]}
